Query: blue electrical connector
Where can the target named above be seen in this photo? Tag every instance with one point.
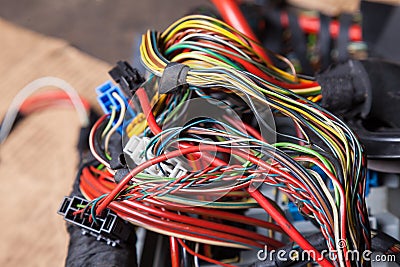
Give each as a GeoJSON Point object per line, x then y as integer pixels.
{"type": "Point", "coordinates": [372, 181]}
{"type": "Point", "coordinates": [294, 212]}
{"type": "Point", "coordinates": [128, 80]}
{"type": "Point", "coordinates": [106, 99]}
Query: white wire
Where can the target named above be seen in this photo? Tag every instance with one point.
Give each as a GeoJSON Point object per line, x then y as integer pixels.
{"type": "Point", "coordinates": [118, 123]}
{"type": "Point", "coordinates": [335, 212]}
{"type": "Point", "coordinates": [216, 39]}
{"type": "Point", "coordinates": [93, 150]}
{"type": "Point", "coordinates": [196, 259]}
{"type": "Point", "coordinates": [32, 87]}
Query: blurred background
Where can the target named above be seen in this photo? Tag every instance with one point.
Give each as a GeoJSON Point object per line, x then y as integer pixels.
{"type": "Point", "coordinates": [106, 29]}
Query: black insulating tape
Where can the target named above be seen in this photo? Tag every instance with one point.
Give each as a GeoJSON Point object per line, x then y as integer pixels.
{"type": "Point", "coordinates": [174, 75]}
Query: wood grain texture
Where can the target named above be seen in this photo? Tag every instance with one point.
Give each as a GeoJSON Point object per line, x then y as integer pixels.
{"type": "Point", "coordinates": [38, 161]}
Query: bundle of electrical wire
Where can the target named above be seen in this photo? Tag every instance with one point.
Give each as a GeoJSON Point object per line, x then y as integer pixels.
{"type": "Point", "coordinates": [321, 168]}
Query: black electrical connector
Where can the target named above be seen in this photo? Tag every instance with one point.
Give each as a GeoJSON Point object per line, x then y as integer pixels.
{"type": "Point", "coordinates": [127, 77]}
{"type": "Point", "coordinates": [108, 227]}
{"type": "Point", "coordinates": [81, 248]}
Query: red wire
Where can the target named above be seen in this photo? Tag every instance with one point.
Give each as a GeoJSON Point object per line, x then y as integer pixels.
{"type": "Point", "coordinates": [250, 130]}
{"type": "Point", "coordinates": [196, 229]}
{"type": "Point", "coordinates": [173, 243]}
{"type": "Point", "coordinates": [185, 151]}
{"type": "Point", "coordinates": [93, 189]}
{"type": "Point", "coordinates": [89, 187]}
{"type": "Point", "coordinates": [194, 221]}
{"type": "Point", "coordinates": [212, 161]}
{"type": "Point", "coordinates": [231, 13]}
{"type": "Point", "coordinates": [184, 229]}
{"type": "Point", "coordinates": [221, 215]}
{"type": "Point", "coordinates": [333, 178]}
{"type": "Point", "coordinates": [144, 102]}
{"type": "Point", "coordinates": [202, 256]}
{"type": "Point", "coordinates": [178, 228]}
{"type": "Point", "coordinates": [156, 129]}
{"type": "Point", "coordinates": [202, 223]}
{"type": "Point", "coordinates": [279, 218]}
{"type": "Point", "coordinates": [174, 227]}
{"type": "Point", "coordinates": [47, 98]}
{"type": "Point", "coordinates": [288, 227]}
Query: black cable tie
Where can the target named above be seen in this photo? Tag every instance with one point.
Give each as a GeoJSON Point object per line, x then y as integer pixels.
{"type": "Point", "coordinates": [174, 75]}
{"type": "Point", "coordinates": [127, 77]}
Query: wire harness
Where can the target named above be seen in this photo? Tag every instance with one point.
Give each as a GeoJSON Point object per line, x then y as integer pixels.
{"type": "Point", "coordinates": [108, 227]}
{"type": "Point", "coordinates": [192, 176]}
{"type": "Point", "coordinates": [228, 162]}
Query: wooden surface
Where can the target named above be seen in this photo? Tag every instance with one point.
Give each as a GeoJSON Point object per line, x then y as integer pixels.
{"type": "Point", "coordinates": [38, 161]}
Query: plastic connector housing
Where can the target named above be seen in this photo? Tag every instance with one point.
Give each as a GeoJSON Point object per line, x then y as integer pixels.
{"type": "Point", "coordinates": [127, 77]}
{"type": "Point", "coordinates": [107, 100]}
{"type": "Point", "coordinates": [372, 181]}
{"type": "Point", "coordinates": [294, 212]}
{"type": "Point", "coordinates": [134, 149]}
{"type": "Point", "coordinates": [174, 168]}
{"type": "Point", "coordinates": [109, 227]}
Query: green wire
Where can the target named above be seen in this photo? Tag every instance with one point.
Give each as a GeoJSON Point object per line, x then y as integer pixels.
{"type": "Point", "coordinates": [303, 149]}
{"type": "Point", "coordinates": [100, 167]}
{"type": "Point", "coordinates": [215, 204]}
{"type": "Point", "coordinates": [316, 154]}
{"type": "Point", "coordinates": [109, 124]}
{"type": "Point", "coordinates": [183, 46]}
{"type": "Point", "coordinates": [178, 107]}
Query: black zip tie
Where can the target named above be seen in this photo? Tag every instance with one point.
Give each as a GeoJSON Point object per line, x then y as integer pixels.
{"type": "Point", "coordinates": [174, 76]}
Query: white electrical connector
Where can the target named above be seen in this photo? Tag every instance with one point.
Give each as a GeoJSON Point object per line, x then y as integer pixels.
{"type": "Point", "coordinates": [177, 171]}
{"type": "Point", "coordinates": [135, 148]}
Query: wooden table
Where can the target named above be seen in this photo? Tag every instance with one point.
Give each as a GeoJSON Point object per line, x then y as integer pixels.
{"type": "Point", "coordinates": [38, 161]}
